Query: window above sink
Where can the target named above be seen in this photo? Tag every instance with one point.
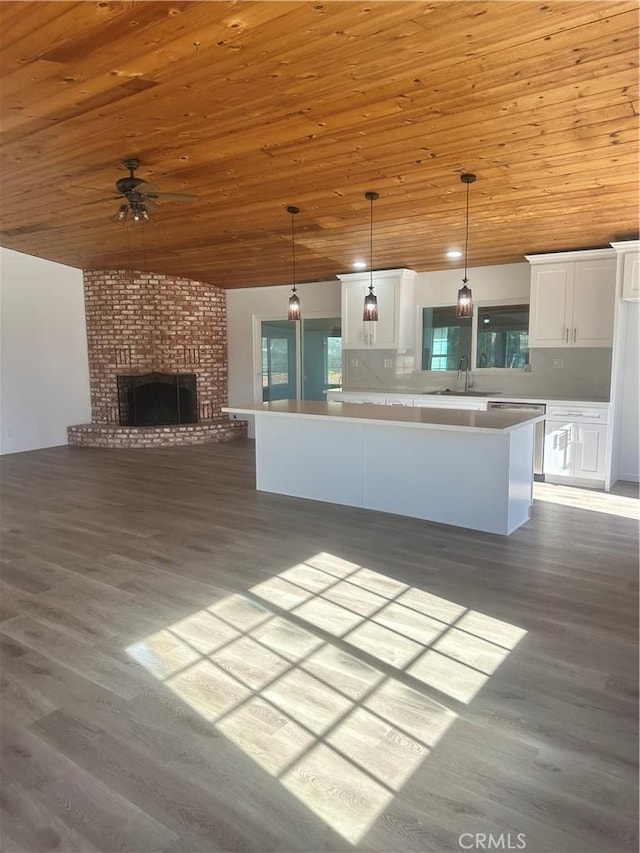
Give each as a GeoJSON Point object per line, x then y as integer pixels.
{"type": "Point", "coordinates": [496, 337]}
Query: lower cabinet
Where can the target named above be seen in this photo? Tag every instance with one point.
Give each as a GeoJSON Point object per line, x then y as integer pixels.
{"type": "Point", "coordinates": [575, 447]}
{"type": "Point", "coordinates": [591, 441]}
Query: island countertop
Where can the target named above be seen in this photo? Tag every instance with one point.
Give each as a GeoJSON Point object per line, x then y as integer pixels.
{"type": "Point", "coordinates": [493, 421]}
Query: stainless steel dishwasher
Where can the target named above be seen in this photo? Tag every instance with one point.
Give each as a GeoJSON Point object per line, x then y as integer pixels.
{"type": "Point", "coordinates": [534, 409]}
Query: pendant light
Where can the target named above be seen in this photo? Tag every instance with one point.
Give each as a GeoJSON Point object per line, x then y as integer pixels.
{"type": "Point", "coordinates": [294, 300]}
{"type": "Point", "coordinates": [370, 300]}
{"type": "Point", "coordinates": [464, 307]}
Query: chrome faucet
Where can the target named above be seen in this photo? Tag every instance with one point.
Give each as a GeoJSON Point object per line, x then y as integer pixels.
{"type": "Point", "coordinates": [464, 360]}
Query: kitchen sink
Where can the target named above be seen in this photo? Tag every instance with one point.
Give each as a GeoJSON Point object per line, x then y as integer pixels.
{"type": "Point", "coordinates": [447, 393]}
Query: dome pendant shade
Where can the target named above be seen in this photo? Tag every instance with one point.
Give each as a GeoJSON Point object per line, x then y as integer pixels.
{"type": "Point", "coordinates": [371, 300]}
{"type": "Point", "coordinates": [293, 311]}
{"type": "Point", "coordinates": [464, 307]}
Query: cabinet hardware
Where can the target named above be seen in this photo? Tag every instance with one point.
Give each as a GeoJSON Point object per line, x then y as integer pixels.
{"type": "Point", "coordinates": [575, 335]}
{"type": "Point", "coordinates": [566, 335]}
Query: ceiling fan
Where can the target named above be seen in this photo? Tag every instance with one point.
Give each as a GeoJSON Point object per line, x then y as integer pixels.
{"type": "Point", "coordinates": [138, 195]}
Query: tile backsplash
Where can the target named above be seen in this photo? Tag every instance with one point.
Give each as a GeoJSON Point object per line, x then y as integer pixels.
{"type": "Point", "coordinates": [579, 374]}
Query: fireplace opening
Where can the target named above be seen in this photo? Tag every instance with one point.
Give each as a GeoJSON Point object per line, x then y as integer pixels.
{"type": "Point", "coordinates": [157, 399]}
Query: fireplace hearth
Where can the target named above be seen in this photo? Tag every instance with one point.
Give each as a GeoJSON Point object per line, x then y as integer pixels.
{"type": "Point", "coordinates": [157, 399]}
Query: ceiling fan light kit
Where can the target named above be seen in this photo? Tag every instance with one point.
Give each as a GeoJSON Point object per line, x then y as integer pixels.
{"type": "Point", "coordinates": [139, 195]}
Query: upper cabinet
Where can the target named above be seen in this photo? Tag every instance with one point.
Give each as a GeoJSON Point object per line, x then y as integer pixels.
{"type": "Point", "coordinates": [629, 266]}
{"type": "Point", "coordinates": [572, 299]}
{"type": "Point", "coordinates": [394, 327]}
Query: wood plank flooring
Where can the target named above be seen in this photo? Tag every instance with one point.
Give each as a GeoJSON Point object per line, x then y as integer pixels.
{"type": "Point", "coordinates": [190, 665]}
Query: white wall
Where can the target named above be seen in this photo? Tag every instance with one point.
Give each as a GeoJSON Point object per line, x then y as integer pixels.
{"type": "Point", "coordinates": [243, 304]}
{"type": "Point", "coordinates": [628, 462]}
{"type": "Point", "coordinates": [506, 281]}
{"type": "Point", "coordinates": [44, 364]}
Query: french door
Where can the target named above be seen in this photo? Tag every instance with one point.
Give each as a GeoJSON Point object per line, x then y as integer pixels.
{"type": "Point", "coordinates": [297, 361]}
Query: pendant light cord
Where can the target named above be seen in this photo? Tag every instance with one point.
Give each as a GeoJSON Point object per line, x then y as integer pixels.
{"type": "Point", "coordinates": [371, 246]}
{"type": "Point", "coordinates": [293, 243]}
{"type": "Point", "coordinates": [371, 196]}
{"type": "Point", "coordinates": [467, 178]}
{"type": "Point", "coordinates": [293, 210]}
{"type": "Point", "coordinates": [466, 238]}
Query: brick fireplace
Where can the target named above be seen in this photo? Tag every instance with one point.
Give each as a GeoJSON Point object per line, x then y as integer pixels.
{"type": "Point", "coordinates": [150, 332]}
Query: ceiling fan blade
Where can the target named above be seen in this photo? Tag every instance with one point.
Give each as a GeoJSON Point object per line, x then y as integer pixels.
{"type": "Point", "coordinates": [172, 196]}
{"type": "Point", "coordinates": [144, 187]}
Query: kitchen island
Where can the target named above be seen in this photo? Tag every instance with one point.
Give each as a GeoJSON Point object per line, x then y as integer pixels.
{"type": "Point", "coordinates": [467, 468]}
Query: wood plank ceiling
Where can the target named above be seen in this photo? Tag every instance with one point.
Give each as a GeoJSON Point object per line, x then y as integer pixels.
{"type": "Point", "coordinates": [254, 106]}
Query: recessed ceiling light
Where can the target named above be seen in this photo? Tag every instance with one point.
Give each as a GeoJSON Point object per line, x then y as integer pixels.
{"type": "Point", "coordinates": [359, 265]}
{"type": "Point", "coordinates": [454, 253]}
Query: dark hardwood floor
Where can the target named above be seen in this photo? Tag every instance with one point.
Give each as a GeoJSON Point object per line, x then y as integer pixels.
{"type": "Point", "coordinates": [190, 665]}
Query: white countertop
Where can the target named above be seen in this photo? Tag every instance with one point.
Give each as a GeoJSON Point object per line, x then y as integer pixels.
{"type": "Point", "coordinates": [498, 397]}
{"type": "Point", "coordinates": [408, 416]}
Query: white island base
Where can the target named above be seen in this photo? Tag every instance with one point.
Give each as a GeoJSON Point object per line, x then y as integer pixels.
{"type": "Point", "coordinates": [469, 469]}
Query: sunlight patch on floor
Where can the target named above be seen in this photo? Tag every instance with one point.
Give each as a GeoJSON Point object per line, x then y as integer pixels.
{"type": "Point", "coordinates": [299, 674]}
{"type": "Point", "coordinates": [588, 499]}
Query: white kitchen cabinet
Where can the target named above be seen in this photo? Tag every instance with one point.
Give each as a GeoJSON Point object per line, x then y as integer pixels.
{"type": "Point", "coordinates": [590, 441]}
{"type": "Point", "coordinates": [394, 327]}
{"type": "Point", "coordinates": [558, 450]}
{"type": "Point", "coordinates": [575, 445]}
{"type": "Point", "coordinates": [629, 266]}
{"type": "Point", "coordinates": [631, 277]}
{"type": "Point", "coordinates": [572, 299]}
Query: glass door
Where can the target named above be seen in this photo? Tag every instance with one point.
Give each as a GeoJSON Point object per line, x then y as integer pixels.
{"type": "Point", "coordinates": [300, 361]}
{"type": "Point", "coordinates": [321, 356]}
{"type": "Point", "coordinates": [279, 360]}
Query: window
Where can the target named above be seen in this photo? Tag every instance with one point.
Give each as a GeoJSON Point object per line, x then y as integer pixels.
{"type": "Point", "coordinates": [445, 338]}
{"type": "Point", "coordinates": [333, 368]}
{"type": "Point", "coordinates": [500, 333]}
{"type": "Point", "coordinates": [503, 336]}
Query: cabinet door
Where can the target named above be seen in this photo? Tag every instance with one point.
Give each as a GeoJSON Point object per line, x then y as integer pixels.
{"type": "Point", "coordinates": [593, 303]}
{"type": "Point", "coordinates": [558, 448]}
{"type": "Point", "coordinates": [384, 333]}
{"type": "Point", "coordinates": [631, 276]}
{"type": "Point", "coordinates": [551, 297]}
{"type": "Point", "coordinates": [353, 328]}
{"type": "Point", "coordinates": [589, 455]}
{"type": "Point", "coordinates": [381, 334]}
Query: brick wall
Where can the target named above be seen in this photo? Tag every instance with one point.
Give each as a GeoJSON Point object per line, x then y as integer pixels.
{"type": "Point", "coordinates": [145, 322]}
